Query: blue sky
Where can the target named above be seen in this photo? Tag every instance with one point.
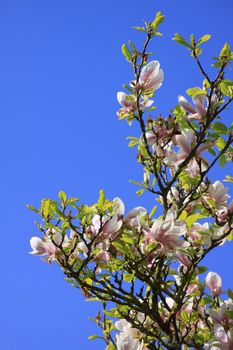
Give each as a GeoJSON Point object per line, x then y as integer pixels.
{"type": "Point", "coordinates": [61, 68]}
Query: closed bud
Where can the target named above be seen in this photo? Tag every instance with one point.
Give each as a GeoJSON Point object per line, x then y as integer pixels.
{"type": "Point", "coordinates": [214, 282]}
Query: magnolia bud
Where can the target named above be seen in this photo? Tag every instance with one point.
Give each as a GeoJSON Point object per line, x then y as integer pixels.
{"type": "Point", "coordinates": [214, 283]}
{"type": "Point", "coordinates": [146, 177]}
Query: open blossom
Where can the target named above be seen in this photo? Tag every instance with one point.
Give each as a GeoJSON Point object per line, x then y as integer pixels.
{"type": "Point", "coordinates": [224, 339]}
{"type": "Point", "coordinates": [197, 110]}
{"type": "Point", "coordinates": [214, 283]}
{"type": "Point", "coordinates": [125, 341]}
{"type": "Point", "coordinates": [168, 234]}
{"type": "Point", "coordinates": [186, 142]}
{"type": "Point", "coordinates": [218, 193]}
{"type": "Point", "coordinates": [151, 76]}
{"type": "Point", "coordinates": [45, 247]}
{"type": "Point", "coordinates": [198, 234]}
{"type": "Point", "coordinates": [109, 226]}
{"type": "Point", "coordinates": [132, 218]}
{"type": "Point", "coordinates": [129, 104]}
{"type": "Point", "coordinates": [221, 315]}
{"type": "Point", "coordinates": [125, 327]}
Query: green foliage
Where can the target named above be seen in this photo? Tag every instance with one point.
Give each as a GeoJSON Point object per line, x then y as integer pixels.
{"type": "Point", "coordinates": [126, 52]}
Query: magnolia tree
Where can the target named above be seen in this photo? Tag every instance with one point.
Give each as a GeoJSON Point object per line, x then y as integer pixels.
{"type": "Point", "coordinates": [144, 269]}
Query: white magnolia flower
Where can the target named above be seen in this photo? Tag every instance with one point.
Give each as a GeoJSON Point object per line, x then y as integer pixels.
{"type": "Point", "coordinates": [126, 342]}
{"type": "Point", "coordinates": [125, 327]}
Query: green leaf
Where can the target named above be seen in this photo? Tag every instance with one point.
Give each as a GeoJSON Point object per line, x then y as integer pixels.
{"type": "Point", "coordinates": [180, 40]}
{"type": "Point", "coordinates": [127, 239]}
{"type": "Point", "coordinates": [203, 39]}
{"type": "Point", "coordinates": [228, 178]}
{"type": "Point", "coordinates": [191, 219]}
{"type": "Point", "coordinates": [225, 51]}
{"type": "Point", "coordinates": [185, 316]}
{"type": "Point", "coordinates": [140, 192]}
{"type": "Point", "coordinates": [126, 53]}
{"type": "Point", "coordinates": [45, 207]}
{"type": "Point", "coordinates": [136, 183]}
{"type": "Point", "coordinates": [101, 199]}
{"type": "Point", "coordinates": [207, 300]}
{"type": "Point", "coordinates": [151, 246]}
{"type": "Point", "coordinates": [230, 314]}
{"type": "Point", "coordinates": [221, 143]}
{"type": "Point", "coordinates": [30, 207]}
{"type": "Point", "coordinates": [197, 51]}
{"type": "Point", "coordinates": [226, 87]}
{"type": "Point", "coordinates": [202, 269]}
{"type": "Point", "coordinates": [212, 152]}
{"type": "Point", "coordinates": [230, 294]}
{"type": "Point", "coordinates": [132, 46]}
{"type": "Point", "coordinates": [153, 211]}
{"type": "Point", "coordinates": [128, 277]}
{"type": "Point", "coordinates": [62, 196]}
{"type": "Point", "coordinates": [159, 18]}
{"type": "Point", "coordinates": [195, 91]}
{"type": "Point", "coordinates": [141, 29]}
{"type": "Point", "coordinates": [219, 128]}
{"type": "Point", "coordinates": [192, 40]}
{"type": "Point", "coordinates": [93, 337]}
{"type": "Point", "coordinates": [222, 161]}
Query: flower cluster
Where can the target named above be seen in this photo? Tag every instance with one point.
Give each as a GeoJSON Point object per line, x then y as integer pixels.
{"type": "Point", "coordinates": [150, 79]}
{"type": "Point", "coordinates": [145, 268]}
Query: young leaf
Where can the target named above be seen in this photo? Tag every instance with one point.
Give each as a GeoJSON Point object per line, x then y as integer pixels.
{"type": "Point", "coordinates": [195, 91]}
{"type": "Point", "coordinates": [141, 29]}
{"type": "Point", "coordinates": [159, 18]}
{"type": "Point", "coordinates": [225, 51]}
{"type": "Point", "coordinates": [203, 39]}
{"type": "Point", "coordinates": [140, 192]}
{"type": "Point", "coordinates": [153, 211]}
{"type": "Point", "coordinates": [219, 128]}
{"type": "Point", "coordinates": [126, 53]}
{"type": "Point", "coordinates": [30, 207]}
{"type": "Point", "coordinates": [62, 196]}
{"type": "Point", "coordinates": [101, 199]}
{"type": "Point", "coordinates": [179, 39]}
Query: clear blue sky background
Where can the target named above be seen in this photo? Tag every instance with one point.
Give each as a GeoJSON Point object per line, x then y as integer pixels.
{"type": "Point", "coordinates": [61, 68]}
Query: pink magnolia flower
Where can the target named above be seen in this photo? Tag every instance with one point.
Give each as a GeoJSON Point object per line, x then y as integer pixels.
{"type": "Point", "coordinates": [45, 247]}
{"type": "Point", "coordinates": [119, 207]}
{"type": "Point", "coordinates": [224, 339]}
{"type": "Point", "coordinates": [103, 246]}
{"type": "Point", "coordinates": [161, 131]}
{"type": "Point", "coordinates": [133, 217]}
{"type": "Point", "coordinates": [186, 142]}
{"type": "Point", "coordinates": [151, 77]}
{"type": "Point", "coordinates": [214, 282]}
{"type": "Point", "coordinates": [222, 214]}
{"type": "Point", "coordinates": [107, 227]}
{"type": "Point", "coordinates": [198, 110]}
{"type": "Point", "coordinates": [184, 259]}
{"type": "Point", "coordinates": [125, 341]}
{"type": "Point", "coordinates": [129, 104]}
{"type": "Point", "coordinates": [168, 234]}
{"type": "Point", "coordinates": [221, 315]}
{"type": "Point", "coordinates": [218, 193]}
{"type": "Point", "coordinates": [199, 234]}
